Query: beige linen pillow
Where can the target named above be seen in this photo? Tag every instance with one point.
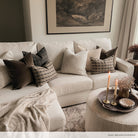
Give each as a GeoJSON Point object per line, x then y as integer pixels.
{"type": "Point", "coordinates": [74, 63]}
{"type": "Point", "coordinates": [4, 76]}
{"type": "Point", "coordinates": [95, 53]}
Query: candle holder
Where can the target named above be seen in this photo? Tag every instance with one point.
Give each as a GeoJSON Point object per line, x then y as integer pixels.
{"type": "Point", "coordinates": [114, 101]}
{"type": "Point", "coordinates": [106, 101]}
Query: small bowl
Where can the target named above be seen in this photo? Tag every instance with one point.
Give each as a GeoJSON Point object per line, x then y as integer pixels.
{"type": "Point", "coordinates": [126, 103]}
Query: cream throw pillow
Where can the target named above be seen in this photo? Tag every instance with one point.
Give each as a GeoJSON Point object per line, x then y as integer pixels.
{"type": "Point", "coordinates": [74, 63]}
{"type": "Point", "coordinates": [4, 76]}
{"type": "Point", "coordinates": [95, 53]}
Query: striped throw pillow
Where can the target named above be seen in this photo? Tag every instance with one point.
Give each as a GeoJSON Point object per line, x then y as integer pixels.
{"type": "Point", "coordinates": [102, 66]}
{"type": "Point", "coordinates": [43, 74]}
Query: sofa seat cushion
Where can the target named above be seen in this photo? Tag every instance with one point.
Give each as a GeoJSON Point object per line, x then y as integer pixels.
{"type": "Point", "coordinates": [66, 84]}
{"type": "Point", "coordinates": [9, 95]}
{"type": "Point", "coordinates": [100, 80]}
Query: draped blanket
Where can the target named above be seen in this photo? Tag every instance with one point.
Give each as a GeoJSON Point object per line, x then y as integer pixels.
{"type": "Point", "coordinates": [29, 113]}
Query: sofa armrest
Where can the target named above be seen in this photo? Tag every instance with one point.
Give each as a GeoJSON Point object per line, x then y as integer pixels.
{"type": "Point", "coordinates": [125, 66]}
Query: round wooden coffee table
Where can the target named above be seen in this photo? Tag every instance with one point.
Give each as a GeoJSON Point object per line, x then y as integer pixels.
{"type": "Point", "coordinates": [99, 119]}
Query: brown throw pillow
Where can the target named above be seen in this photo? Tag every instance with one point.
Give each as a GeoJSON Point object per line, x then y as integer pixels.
{"type": "Point", "coordinates": [102, 66]}
{"type": "Point", "coordinates": [20, 72]}
{"type": "Point", "coordinates": [40, 58]}
{"type": "Point", "coordinates": [43, 74]}
{"type": "Point", "coordinates": [105, 54]}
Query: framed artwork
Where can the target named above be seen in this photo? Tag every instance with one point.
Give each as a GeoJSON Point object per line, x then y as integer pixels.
{"type": "Point", "coordinates": [78, 16]}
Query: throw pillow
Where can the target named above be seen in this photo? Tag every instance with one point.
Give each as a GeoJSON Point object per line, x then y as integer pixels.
{"type": "Point", "coordinates": [4, 77]}
{"type": "Point", "coordinates": [74, 63]}
{"type": "Point", "coordinates": [40, 58]}
{"type": "Point", "coordinates": [19, 72]}
{"type": "Point", "coordinates": [106, 54]}
{"type": "Point", "coordinates": [102, 66]}
{"type": "Point", "coordinates": [95, 53]}
{"type": "Point", "coordinates": [43, 74]}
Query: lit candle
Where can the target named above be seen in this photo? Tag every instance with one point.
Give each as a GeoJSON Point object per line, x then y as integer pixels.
{"type": "Point", "coordinates": [108, 84]}
{"type": "Point", "coordinates": [116, 84]}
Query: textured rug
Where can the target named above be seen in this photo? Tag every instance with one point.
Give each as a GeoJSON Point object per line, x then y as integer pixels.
{"type": "Point", "coordinates": [75, 117]}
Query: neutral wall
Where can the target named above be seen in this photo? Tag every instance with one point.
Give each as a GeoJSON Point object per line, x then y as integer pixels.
{"type": "Point", "coordinates": [37, 14]}
{"type": "Point", "coordinates": [11, 21]}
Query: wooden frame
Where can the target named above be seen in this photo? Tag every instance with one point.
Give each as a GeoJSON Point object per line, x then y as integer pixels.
{"type": "Point", "coordinates": [66, 19]}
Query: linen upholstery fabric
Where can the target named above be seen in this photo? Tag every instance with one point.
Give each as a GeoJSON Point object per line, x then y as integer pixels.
{"type": "Point", "coordinates": [40, 58]}
{"type": "Point", "coordinates": [43, 74]}
{"type": "Point", "coordinates": [4, 77]}
{"type": "Point", "coordinates": [102, 66]}
{"type": "Point", "coordinates": [100, 80]}
{"type": "Point", "coordinates": [104, 43]}
{"type": "Point", "coordinates": [66, 84]}
{"type": "Point", "coordinates": [74, 63]}
{"type": "Point", "coordinates": [17, 48]}
{"type": "Point", "coordinates": [125, 66]}
{"type": "Point", "coordinates": [55, 51]}
{"type": "Point", "coordinates": [19, 72]}
{"type": "Point", "coordinates": [95, 53]}
{"type": "Point", "coordinates": [99, 119]}
{"type": "Point", "coordinates": [106, 54]}
{"type": "Point", "coordinates": [12, 95]}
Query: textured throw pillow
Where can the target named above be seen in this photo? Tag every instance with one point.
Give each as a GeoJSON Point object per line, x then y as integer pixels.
{"type": "Point", "coordinates": [20, 72]}
{"type": "Point", "coordinates": [106, 54]}
{"type": "Point", "coordinates": [74, 63]}
{"type": "Point", "coordinates": [40, 58]}
{"type": "Point", "coordinates": [4, 77]}
{"type": "Point", "coordinates": [43, 74]}
{"type": "Point", "coordinates": [102, 66]}
{"type": "Point", "coordinates": [95, 53]}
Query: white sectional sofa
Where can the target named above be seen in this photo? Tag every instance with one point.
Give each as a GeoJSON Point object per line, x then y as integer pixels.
{"type": "Point", "coordinates": [70, 89]}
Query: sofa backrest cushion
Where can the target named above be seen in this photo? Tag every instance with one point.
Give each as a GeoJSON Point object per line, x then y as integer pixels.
{"type": "Point", "coordinates": [104, 43]}
{"type": "Point", "coordinates": [55, 51]}
{"type": "Point", "coordinates": [17, 48]}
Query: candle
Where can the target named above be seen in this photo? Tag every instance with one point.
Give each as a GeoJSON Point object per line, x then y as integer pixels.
{"type": "Point", "coordinates": [115, 93]}
{"type": "Point", "coordinates": [108, 84]}
{"type": "Point", "coordinates": [116, 84]}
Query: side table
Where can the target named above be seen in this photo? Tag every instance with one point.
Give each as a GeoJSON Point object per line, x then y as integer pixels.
{"type": "Point", "coordinates": [98, 118]}
{"type": "Point", "coordinates": [135, 71]}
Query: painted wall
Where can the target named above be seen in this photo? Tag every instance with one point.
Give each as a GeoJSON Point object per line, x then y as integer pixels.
{"type": "Point", "coordinates": [37, 20]}
{"type": "Point", "coordinates": [11, 21]}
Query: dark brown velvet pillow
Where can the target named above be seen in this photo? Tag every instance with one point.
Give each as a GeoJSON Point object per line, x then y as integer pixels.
{"type": "Point", "coordinates": [40, 58]}
{"type": "Point", "coordinates": [20, 71]}
{"type": "Point", "coordinates": [105, 54]}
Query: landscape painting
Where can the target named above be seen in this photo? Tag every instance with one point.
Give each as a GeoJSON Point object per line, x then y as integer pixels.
{"type": "Point", "coordinates": [78, 16]}
{"type": "Point", "coordinates": [71, 13]}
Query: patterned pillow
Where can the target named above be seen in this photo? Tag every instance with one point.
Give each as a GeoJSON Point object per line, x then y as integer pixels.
{"type": "Point", "coordinates": [102, 66]}
{"type": "Point", "coordinates": [40, 58]}
{"type": "Point", "coordinates": [43, 74]}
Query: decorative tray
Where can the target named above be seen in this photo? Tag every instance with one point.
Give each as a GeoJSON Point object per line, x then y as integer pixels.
{"type": "Point", "coordinates": [118, 107]}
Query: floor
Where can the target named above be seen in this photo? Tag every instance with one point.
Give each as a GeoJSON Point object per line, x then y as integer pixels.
{"type": "Point", "coordinates": [75, 117]}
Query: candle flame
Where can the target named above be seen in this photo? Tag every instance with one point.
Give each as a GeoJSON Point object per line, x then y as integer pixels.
{"type": "Point", "coordinates": [109, 72]}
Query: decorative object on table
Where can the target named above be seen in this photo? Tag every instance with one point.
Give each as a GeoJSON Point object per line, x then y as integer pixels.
{"type": "Point", "coordinates": [116, 108]}
{"type": "Point", "coordinates": [125, 86]}
{"type": "Point", "coordinates": [134, 49]}
{"type": "Point", "coordinates": [73, 16]}
{"type": "Point", "coordinates": [106, 101]}
{"type": "Point", "coordinates": [115, 93]}
{"type": "Point", "coordinates": [126, 103]}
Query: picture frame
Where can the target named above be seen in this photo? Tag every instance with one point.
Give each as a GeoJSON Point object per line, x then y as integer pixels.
{"type": "Point", "coordinates": [73, 16]}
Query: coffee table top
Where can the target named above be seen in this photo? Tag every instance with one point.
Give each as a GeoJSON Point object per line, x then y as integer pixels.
{"type": "Point", "coordinates": [121, 118]}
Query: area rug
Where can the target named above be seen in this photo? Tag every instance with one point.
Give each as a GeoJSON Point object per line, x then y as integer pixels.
{"type": "Point", "coordinates": [75, 117]}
